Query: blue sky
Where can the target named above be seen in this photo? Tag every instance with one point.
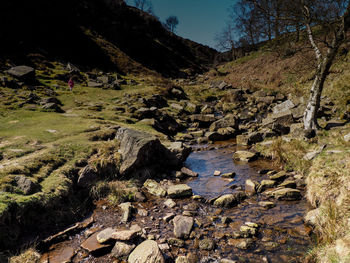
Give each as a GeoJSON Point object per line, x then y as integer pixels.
{"type": "Point", "coordinates": [199, 20]}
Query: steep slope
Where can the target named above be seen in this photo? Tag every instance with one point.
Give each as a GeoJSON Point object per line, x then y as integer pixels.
{"type": "Point", "coordinates": [97, 34]}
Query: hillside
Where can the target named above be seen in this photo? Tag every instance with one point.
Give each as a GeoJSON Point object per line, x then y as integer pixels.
{"type": "Point", "coordinates": [97, 34]}
{"type": "Point", "coordinates": [133, 115]}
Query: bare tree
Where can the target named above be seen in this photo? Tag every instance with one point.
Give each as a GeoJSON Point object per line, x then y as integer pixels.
{"type": "Point", "coordinates": [144, 5]}
{"type": "Point", "coordinates": [171, 23]}
{"type": "Point", "coordinates": [339, 27]}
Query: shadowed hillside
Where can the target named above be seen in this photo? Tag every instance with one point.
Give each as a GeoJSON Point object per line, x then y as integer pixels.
{"type": "Point", "coordinates": [97, 34]}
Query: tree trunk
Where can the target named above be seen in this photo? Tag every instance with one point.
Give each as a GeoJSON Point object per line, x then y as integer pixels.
{"type": "Point", "coordinates": [324, 65]}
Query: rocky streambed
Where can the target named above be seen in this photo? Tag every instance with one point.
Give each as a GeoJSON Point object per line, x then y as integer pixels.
{"type": "Point", "coordinates": [246, 212]}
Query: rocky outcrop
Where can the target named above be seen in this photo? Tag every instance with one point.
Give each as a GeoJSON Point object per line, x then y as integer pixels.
{"type": "Point", "coordinates": [23, 73]}
{"type": "Point", "coordinates": [141, 150]}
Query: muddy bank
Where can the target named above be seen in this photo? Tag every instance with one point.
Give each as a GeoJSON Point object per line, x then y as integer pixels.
{"type": "Point", "coordinates": [258, 229]}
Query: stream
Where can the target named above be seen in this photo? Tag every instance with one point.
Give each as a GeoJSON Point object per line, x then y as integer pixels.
{"type": "Point", "coordinates": [281, 236]}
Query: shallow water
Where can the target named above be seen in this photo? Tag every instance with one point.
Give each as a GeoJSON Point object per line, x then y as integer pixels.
{"type": "Point", "coordinates": [282, 236]}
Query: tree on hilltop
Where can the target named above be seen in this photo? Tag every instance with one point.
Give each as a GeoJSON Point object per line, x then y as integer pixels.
{"type": "Point", "coordinates": [171, 23]}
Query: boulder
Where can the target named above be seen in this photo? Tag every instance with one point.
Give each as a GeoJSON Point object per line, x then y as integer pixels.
{"type": "Point", "coordinates": [244, 156]}
{"type": "Point", "coordinates": [94, 84]}
{"type": "Point", "coordinates": [179, 191]}
{"type": "Point", "coordinates": [155, 101]}
{"type": "Point", "coordinates": [87, 177]}
{"type": "Point", "coordinates": [283, 118]}
{"type": "Point", "coordinates": [140, 150]}
{"type": "Point", "coordinates": [227, 121]}
{"type": "Point", "coordinates": [182, 226]}
{"type": "Point", "coordinates": [52, 107]}
{"type": "Point", "coordinates": [121, 249]}
{"type": "Point", "coordinates": [204, 120]}
{"type": "Point", "coordinates": [23, 73]}
{"type": "Point", "coordinates": [167, 125]}
{"type": "Point", "coordinates": [154, 188]}
{"type": "Point", "coordinates": [180, 150]}
{"type": "Point", "coordinates": [26, 185]}
{"type": "Point", "coordinates": [284, 106]}
{"type": "Point", "coordinates": [147, 252]}
{"type": "Point", "coordinates": [230, 200]}
{"type": "Point", "coordinates": [280, 176]}
{"type": "Point", "coordinates": [250, 138]}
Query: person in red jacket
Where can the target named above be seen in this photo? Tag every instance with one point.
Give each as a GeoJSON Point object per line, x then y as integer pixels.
{"type": "Point", "coordinates": [70, 84]}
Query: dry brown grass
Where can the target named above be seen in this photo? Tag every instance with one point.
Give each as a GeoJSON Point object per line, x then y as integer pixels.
{"type": "Point", "coordinates": [29, 256]}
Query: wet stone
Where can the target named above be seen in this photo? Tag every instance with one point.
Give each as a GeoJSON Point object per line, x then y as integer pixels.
{"type": "Point", "coordinates": [179, 191]}
{"type": "Point", "coordinates": [188, 172]}
{"type": "Point", "coordinates": [176, 242]}
{"type": "Point", "coordinates": [147, 252]}
{"type": "Point", "coordinates": [230, 200]}
{"type": "Point", "coordinates": [247, 231]}
{"type": "Point", "coordinates": [217, 173]}
{"type": "Point", "coordinates": [228, 175]}
{"type": "Point", "coordinates": [127, 211]}
{"type": "Point", "coordinates": [182, 226]}
{"type": "Point", "coordinates": [266, 184]}
{"type": "Point", "coordinates": [105, 235]}
{"type": "Point", "coordinates": [288, 184]}
{"type": "Point", "coordinates": [168, 217]}
{"type": "Point", "coordinates": [170, 203]}
{"type": "Point", "coordinates": [278, 176]}
{"type": "Point", "coordinates": [244, 156]}
{"type": "Point", "coordinates": [154, 188]}
{"type": "Point", "coordinates": [267, 204]}
{"type": "Point", "coordinates": [287, 194]}
{"type": "Point", "coordinates": [93, 246]}
{"type": "Point", "coordinates": [241, 243]}
{"type": "Point", "coordinates": [207, 244]}
{"type": "Point", "coordinates": [121, 249]}
{"type": "Point", "coordinates": [62, 255]}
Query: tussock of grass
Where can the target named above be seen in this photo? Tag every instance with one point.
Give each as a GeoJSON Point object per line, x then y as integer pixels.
{"type": "Point", "coordinates": [29, 256]}
{"type": "Point", "coordinates": [288, 155]}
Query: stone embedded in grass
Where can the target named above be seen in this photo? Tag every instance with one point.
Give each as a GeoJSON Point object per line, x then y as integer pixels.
{"type": "Point", "coordinates": [347, 137]}
{"type": "Point", "coordinates": [179, 191]}
{"type": "Point", "coordinates": [245, 156]}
